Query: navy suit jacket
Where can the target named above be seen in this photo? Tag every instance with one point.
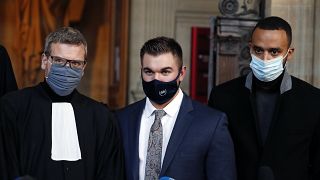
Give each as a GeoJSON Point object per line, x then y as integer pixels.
{"type": "Point", "coordinates": [200, 146]}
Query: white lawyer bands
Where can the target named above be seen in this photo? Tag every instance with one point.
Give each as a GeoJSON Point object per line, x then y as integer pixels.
{"type": "Point", "coordinates": [65, 143]}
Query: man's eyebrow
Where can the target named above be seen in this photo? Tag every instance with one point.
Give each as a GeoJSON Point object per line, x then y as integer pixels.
{"type": "Point", "coordinates": [269, 49]}
{"type": "Point", "coordinates": [146, 68]}
{"type": "Point", "coordinates": [166, 68]}
{"type": "Point", "coordinates": [274, 49]}
{"type": "Point", "coordinates": [257, 47]}
{"type": "Point", "coordinates": [162, 69]}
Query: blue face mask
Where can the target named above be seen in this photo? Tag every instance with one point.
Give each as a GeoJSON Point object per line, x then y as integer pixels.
{"type": "Point", "coordinates": [63, 80]}
{"type": "Point", "coordinates": [160, 92]}
{"type": "Point", "coordinates": [267, 70]}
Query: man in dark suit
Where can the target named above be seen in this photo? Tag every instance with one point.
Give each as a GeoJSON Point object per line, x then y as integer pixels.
{"type": "Point", "coordinates": [167, 133]}
{"type": "Point", "coordinates": [274, 118]}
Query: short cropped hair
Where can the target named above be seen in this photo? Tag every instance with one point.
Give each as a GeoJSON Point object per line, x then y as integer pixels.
{"type": "Point", "coordinates": [275, 23]}
{"type": "Point", "coordinates": [65, 35]}
{"type": "Point", "coordinates": [161, 45]}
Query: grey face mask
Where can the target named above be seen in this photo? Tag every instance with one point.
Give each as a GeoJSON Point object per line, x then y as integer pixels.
{"type": "Point", "coordinates": [63, 80]}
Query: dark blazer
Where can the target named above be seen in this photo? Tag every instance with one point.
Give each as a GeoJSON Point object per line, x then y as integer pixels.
{"type": "Point", "coordinates": [292, 147]}
{"type": "Point", "coordinates": [200, 146]}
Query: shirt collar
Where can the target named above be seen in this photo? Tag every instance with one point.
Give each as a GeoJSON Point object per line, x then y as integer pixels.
{"type": "Point", "coordinates": [286, 83]}
{"type": "Point", "coordinates": [171, 109]}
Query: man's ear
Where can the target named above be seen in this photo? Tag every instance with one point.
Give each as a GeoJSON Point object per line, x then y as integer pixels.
{"type": "Point", "coordinates": [83, 70]}
{"type": "Point", "coordinates": [44, 61]}
{"type": "Point", "coordinates": [182, 73]}
{"type": "Point", "coordinates": [250, 46]}
{"type": "Point", "coordinates": [290, 54]}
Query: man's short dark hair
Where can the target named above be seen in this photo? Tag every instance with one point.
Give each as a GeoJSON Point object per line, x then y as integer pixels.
{"type": "Point", "coordinates": [161, 45]}
{"type": "Point", "coordinates": [275, 23]}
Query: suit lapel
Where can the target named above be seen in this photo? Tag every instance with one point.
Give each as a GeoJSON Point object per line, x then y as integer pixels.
{"type": "Point", "coordinates": [250, 96]}
{"type": "Point", "coordinates": [181, 126]}
{"type": "Point", "coordinates": [134, 128]}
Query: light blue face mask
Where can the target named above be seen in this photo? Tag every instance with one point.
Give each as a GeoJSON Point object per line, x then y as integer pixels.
{"type": "Point", "coordinates": [63, 80]}
{"type": "Point", "coordinates": [267, 70]}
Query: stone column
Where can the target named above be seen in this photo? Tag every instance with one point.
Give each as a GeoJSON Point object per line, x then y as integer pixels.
{"type": "Point", "coordinates": [316, 47]}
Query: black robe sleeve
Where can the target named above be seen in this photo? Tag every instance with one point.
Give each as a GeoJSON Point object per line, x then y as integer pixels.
{"type": "Point", "coordinates": [111, 156]}
{"type": "Point", "coordinates": [7, 80]}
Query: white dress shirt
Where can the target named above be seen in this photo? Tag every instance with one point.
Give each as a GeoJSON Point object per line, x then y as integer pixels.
{"type": "Point", "coordinates": [147, 119]}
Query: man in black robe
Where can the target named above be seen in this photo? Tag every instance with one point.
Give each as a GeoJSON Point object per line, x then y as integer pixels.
{"type": "Point", "coordinates": [7, 80]}
{"type": "Point", "coordinates": [51, 131]}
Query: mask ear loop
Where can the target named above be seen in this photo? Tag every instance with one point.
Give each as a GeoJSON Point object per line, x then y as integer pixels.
{"type": "Point", "coordinates": [285, 63]}
{"type": "Point", "coordinates": [179, 76]}
{"type": "Point", "coordinates": [141, 75]}
{"type": "Point", "coordinates": [44, 54]}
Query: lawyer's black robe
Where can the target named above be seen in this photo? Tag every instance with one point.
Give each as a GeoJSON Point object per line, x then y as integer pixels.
{"type": "Point", "coordinates": [7, 80]}
{"type": "Point", "coordinates": [25, 138]}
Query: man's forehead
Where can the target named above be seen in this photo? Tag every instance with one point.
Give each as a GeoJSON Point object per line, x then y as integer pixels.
{"type": "Point", "coordinates": [166, 59]}
{"type": "Point", "coordinates": [269, 30]}
{"type": "Point", "coordinates": [267, 39]}
{"type": "Point", "coordinates": [269, 35]}
{"type": "Point", "coordinates": [68, 51]}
